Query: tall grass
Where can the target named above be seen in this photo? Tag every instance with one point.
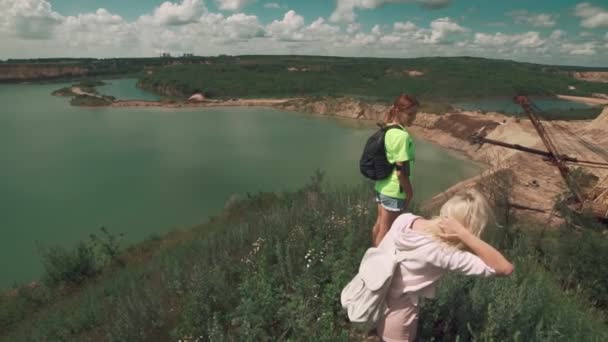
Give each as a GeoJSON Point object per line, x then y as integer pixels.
{"type": "Point", "coordinates": [273, 268]}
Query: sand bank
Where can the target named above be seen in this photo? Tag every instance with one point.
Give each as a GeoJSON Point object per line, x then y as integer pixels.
{"type": "Point", "coordinates": [587, 100]}
{"type": "Point", "coordinates": [203, 104]}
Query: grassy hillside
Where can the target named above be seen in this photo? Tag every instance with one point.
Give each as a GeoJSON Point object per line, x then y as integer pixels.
{"type": "Point", "coordinates": [272, 268]}
{"type": "Point", "coordinates": [442, 78]}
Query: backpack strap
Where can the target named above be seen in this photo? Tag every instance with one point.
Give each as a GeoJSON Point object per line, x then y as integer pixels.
{"type": "Point", "coordinates": [387, 128]}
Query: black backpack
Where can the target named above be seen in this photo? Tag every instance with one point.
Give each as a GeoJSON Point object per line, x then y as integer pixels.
{"type": "Point", "coordinates": [373, 163]}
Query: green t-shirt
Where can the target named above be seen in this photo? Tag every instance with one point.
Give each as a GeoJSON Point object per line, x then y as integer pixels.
{"type": "Point", "coordinates": [399, 148]}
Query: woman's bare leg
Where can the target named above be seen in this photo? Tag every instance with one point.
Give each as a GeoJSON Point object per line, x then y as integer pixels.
{"type": "Point", "coordinates": [386, 221]}
{"type": "Point", "coordinates": [376, 227]}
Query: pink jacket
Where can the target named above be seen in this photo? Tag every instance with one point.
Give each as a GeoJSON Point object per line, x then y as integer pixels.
{"type": "Point", "coordinates": [430, 259]}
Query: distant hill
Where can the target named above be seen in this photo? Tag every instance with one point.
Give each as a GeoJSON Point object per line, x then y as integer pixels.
{"type": "Point", "coordinates": [373, 79]}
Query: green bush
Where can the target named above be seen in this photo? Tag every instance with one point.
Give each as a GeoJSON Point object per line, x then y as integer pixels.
{"type": "Point", "coordinates": [528, 306]}
{"type": "Point", "coordinates": [69, 265]}
{"type": "Point", "coordinates": [85, 260]}
{"type": "Point", "coordinates": [106, 246]}
{"type": "Point", "coordinates": [91, 101]}
{"type": "Point", "coordinates": [576, 258]}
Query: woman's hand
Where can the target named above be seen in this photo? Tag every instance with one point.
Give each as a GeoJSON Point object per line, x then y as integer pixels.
{"type": "Point", "coordinates": [451, 229]}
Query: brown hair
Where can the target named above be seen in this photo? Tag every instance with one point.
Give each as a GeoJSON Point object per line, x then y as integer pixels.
{"type": "Point", "coordinates": [402, 102]}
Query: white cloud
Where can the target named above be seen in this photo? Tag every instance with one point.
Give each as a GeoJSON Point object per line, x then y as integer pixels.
{"type": "Point", "coordinates": [529, 39]}
{"type": "Point", "coordinates": [321, 30]}
{"type": "Point", "coordinates": [441, 29]}
{"type": "Point", "coordinates": [293, 29]}
{"type": "Point", "coordinates": [534, 20]}
{"type": "Point", "coordinates": [440, 32]}
{"type": "Point", "coordinates": [212, 34]}
{"type": "Point", "coordinates": [242, 26]}
{"type": "Point", "coordinates": [169, 13]}
{"type": "Point", "coordinates": [377, 30]}
{"type": "Point", "coordinates": [357, 38]}
{"type": "Point", "coordinates": [187, 26]}
{"type": "Point", "coordinates": [408, 26]}
{"type": "Point", "coordinates": [272, 5]}
{"type": "Point", "coordinates": [29, 19]}
{"type": "Point", "coordinates": [498, 39]}
{"type": "Point", "coordinates": [288, 29]}
{"type": "Point", "coordinates": [232, 5]}
{"type": "Point", "coordinates": [356, 27]}
{"type": "Point", "coordinates": [363, 39]}
{"type": "Point", "coordinates": [592, 16]}
{"type": "Point", "coordinates": [345, 9]}
{"type": "Point", "coordinates": [557, 34]}
{"type": "Point", "coordinates": [584, 49]}
{"type": "Point", "coordinates": [525, 40]}
{"type": "Point", "coordinates": [99, 29]}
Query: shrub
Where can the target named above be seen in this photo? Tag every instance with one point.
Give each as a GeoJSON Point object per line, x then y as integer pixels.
{"type": "Point", "coordinates": [86, 259]}
{"type": "Point", "coordinates": [106, 246]}
{"type": "Point", "coordinates": [69, 265]}
{"type": "Point", "coordinates": [575, 257]}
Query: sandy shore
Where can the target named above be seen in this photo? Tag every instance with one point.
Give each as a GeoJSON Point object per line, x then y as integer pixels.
{"type": "Point", "coordinates": [535, 183]}
{"type": "Point", "coordinates": [587, 100]}
{"type": "Point", "coordinates": [79, 91]}
{"type": "Point", "coordinates": [210, 103]}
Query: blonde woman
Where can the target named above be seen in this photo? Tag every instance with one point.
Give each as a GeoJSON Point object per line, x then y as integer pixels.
{"type": "Point", "coordinates": [448, 243]}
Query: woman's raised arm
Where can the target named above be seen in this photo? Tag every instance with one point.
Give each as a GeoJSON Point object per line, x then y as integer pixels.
{"type": "Point", "coordinates": [452, 229]}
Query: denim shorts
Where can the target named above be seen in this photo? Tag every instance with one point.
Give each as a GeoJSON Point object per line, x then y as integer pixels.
{"type": "Point", "coordinates": [390, 203]}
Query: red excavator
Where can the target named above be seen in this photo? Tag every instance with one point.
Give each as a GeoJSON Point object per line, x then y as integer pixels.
{"type": "Point", "coordinates": [594, 200]}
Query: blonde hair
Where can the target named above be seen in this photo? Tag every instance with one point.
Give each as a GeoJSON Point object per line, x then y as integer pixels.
{"type": "Point", "coordinates": [470, 208]}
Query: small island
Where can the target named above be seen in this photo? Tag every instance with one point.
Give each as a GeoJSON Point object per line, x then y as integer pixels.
{"type": "Point", "coordinates": [84, 94]}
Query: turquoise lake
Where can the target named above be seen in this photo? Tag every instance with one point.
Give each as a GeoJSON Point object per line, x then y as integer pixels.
{"type": "Point", "coordinates": [506, 105]}
{"type": "Point", "coordinates": [67, 171]}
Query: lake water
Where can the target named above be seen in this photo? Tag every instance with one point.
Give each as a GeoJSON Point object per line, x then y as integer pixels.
{"type": "Point", "coordinates": [125, 89]}
{"type": "Point", "coordinates": [507, 105]}
{"type": "Point", "coordinates": [66, 171]}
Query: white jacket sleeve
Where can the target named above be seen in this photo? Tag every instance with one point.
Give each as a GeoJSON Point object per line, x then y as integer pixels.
{"type": "Point", "coordinates": [459, 261]}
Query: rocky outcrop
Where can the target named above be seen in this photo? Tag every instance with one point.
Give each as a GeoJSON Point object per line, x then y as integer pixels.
{"type": "Point", "coordinates": [591, 76]}
{"type": "Point", "coordinates": [450, 130]}
{"type": "Point", "coordinates": [342, 106]}
{"type": "Point", "coordinates": [33, 72]}
{"type": "Point", "coordinates": [533, 183]}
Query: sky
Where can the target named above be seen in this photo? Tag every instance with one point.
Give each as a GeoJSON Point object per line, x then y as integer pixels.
{"type": "Point", "coordinates": [540, 31]}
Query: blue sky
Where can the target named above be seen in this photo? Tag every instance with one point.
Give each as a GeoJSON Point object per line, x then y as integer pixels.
{"type": "Point", "coordinates": [544, 31]}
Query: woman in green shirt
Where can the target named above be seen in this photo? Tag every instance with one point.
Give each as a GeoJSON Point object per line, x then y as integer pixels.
{"type": "Point", "coordinates": [395, 193]}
